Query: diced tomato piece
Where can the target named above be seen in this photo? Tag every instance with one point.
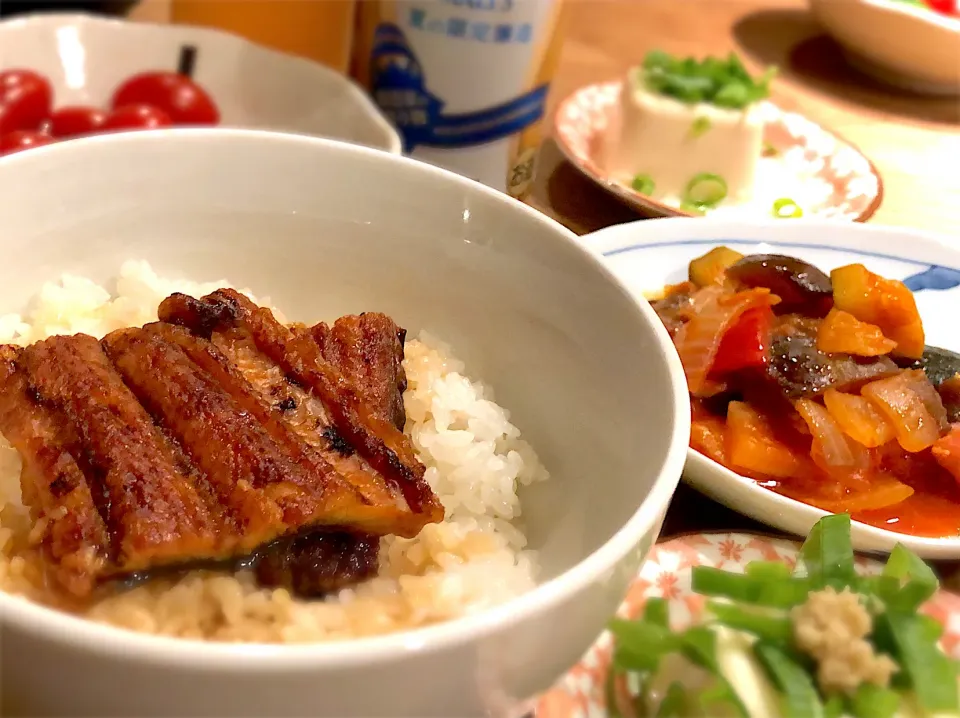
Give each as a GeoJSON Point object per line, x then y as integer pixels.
{"type": "Point", "coordinates": [946, 451]}
{"type": "Point", "coordinates": [746, 345]}
{"type": "Point", "coordinates": [699, 339]}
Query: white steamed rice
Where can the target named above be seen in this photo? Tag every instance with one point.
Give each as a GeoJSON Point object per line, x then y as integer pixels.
{"type": "Point", "coordinates": [475, 463]}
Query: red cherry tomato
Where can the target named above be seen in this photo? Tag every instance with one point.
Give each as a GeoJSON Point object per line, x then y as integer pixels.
{"type": "Point", "coordinates": [180, 97]}
{"type": "Point", "coordinates": [137, 117]}
{"type": "Point", "coordinates": [947, 7]}
{"type": "Point", "coordinates": [22, 140]}
{"type": "Point", "coordinates": [25, 99]}
{"type": "Point", "coordinates": [76, 120]}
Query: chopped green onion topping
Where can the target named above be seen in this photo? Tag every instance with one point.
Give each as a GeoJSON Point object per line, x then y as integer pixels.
{"type": "Point", "coordinates": [786, 208]}
{"type": "Point", "coordinates": [705, 190]}
{"type": "Point", "coordinates": [643, 184]}
{"type": "Point", "coordinates": [700, 126]}
{"type": "Point", "coordinates": [722, 82]}
{"type": "Point", "coordinates": [769, 150]}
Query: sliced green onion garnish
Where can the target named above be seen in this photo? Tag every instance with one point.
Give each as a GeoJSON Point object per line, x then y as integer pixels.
{"type": "Point", "coordinates": [776, 593]}
{"type": "Point", "coordinates": [700, 126]}
{"type": "Point", "coordinates": [828, 553]}
{"type": "Point", "coordinates": [923, 666]}
{"type": "Point", "coordinates": [692, 208]}
{"type": "Point", "coordinates": [657, 611]}
{"type": "Point", "coordinates": [800, 696]}
{"type": "Point", "coordinates": [775, 629]}
{"type": "Point", "coordinates": [786, 208]}
{"type": "Point", "coordinates": [871, 701]}
{"type": "Point", "coordinates": [641, 644]}
{"type": "Point", "coordinates": [705, 190]}
{"type": "Point", "coordinates": [768, 570]}
{"type": "Point", "coordinates": [643, 184]}
{"type": "Point", "coordinates": [722, 82]}
{"type": "Point", "coordinates": [769, 150]}
{"type": "Point", "coordinates": [834, 707]}
{"type": "Point", "coordinates": [674, 703]}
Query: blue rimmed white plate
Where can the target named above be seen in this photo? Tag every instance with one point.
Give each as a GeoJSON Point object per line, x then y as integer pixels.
{"type": "Point", "coordinates": [648, 254]}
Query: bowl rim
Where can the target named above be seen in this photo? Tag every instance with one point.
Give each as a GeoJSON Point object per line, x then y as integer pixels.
{"type": "Point", "coordinates": [393, 143]}
{"type": "Point", "coordinates": [205, 656]}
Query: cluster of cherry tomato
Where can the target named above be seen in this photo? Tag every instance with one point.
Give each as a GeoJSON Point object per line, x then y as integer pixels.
{"type": "Point", "coordinates": [144, 101]}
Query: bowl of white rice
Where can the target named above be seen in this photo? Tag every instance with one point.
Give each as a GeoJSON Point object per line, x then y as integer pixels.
{"type": "Point", "coordinates": [547, 404]}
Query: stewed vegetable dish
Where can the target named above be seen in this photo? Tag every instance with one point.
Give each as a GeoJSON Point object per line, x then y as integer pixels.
{"type": "Point", "coordinates": [820, 387]}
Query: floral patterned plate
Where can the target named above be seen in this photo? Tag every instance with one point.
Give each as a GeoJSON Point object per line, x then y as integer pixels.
{"type": "Point", "coordinates": [836, 180]}
{"type": "Point", "coordinates": [666, 574]}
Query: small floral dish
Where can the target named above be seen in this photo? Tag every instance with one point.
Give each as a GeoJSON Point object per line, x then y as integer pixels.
{"type": "Point", "coordinates": [911, 44]}
{"type": "Point", "coordinates": [85, 58]}
{"type": "Point", "coordinates": [667, 574]}
{"type": "Point", "coordinates": [799, 159]}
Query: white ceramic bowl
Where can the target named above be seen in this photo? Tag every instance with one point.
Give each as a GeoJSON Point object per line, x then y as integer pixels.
{"type": "Point", "coordinates": [649, 254]}
{"type": "Point", "coordinates": [326, 228]}
{"type": "Point", "coordinates": [86, 57]}
{"type": "Point", "coordinates": [904, 45]}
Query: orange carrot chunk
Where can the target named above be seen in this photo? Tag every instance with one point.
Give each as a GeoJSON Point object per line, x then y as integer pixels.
{"type": "Point", "coordinates": [752, 445]}
{"type": "Point", "coordinates": [859, 418]}
{"type": "Point", "coordinates": [842, 333]}
{"type": "Point", "coordinates": [886, 303]}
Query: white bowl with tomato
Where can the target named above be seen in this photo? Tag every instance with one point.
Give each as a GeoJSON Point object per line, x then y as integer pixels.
{"type": "Point", "coordinates": [912, 44]}
{"type": "Point", "coordinates": [66, 75]}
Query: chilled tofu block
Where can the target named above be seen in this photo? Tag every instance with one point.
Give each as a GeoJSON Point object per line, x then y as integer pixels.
{"type": "Point", "coordinates": [672, 143]}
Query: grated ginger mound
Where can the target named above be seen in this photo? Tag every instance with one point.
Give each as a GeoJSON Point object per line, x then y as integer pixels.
{"type": "Point", "coordinates": [832, 628]}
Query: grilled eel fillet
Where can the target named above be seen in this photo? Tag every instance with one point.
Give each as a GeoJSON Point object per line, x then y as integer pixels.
{"type": "Point", "coordinates": [151, 448]}
{"type": "Point", "coordinates": [369, 349]}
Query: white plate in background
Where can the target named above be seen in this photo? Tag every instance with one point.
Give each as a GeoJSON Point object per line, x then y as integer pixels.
{"type": "Point", "coordinates": [86, 57]}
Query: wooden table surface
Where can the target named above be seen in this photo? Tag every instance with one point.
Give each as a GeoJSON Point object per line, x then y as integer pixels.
{"type": "Point", "coordinates": [913, 141]}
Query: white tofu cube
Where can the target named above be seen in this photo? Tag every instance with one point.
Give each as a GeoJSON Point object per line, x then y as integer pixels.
{"type": "Point", "coordinates": [672, 142]}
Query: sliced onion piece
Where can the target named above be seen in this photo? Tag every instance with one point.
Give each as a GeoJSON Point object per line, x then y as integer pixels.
{"type": "Point", "coordinates": [698, 340]}
{"type": "Point", "coordinates": [859, 418]}
{"type": "Point", "coordinates": [912, 406]}
{"type": "Point", "coordinates": [830, 443]}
